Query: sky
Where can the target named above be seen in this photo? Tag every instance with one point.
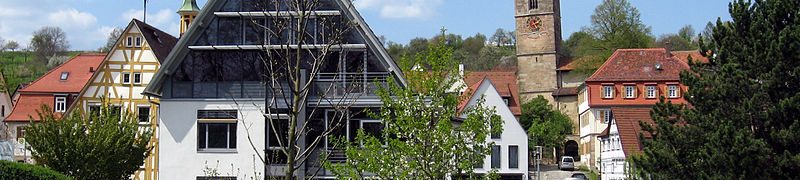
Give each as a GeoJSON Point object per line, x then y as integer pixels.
{"type": "Point", "coordinates": [87, 23]}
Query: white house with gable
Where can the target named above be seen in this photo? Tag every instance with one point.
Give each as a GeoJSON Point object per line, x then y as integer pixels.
{"type": "Point", "coordinates": [509, 155]}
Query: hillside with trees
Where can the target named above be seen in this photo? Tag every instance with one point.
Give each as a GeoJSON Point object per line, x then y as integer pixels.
{"type": "Point", "coordinates": [477, 52]}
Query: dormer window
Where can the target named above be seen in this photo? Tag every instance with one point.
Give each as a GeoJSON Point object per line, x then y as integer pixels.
{"type": "Point", "coordinates": [630, 91]}
{"type": "Point", "coordinates": [60, 104]}
{"type": "Point", "coordinates": [672, 91]}
{"type": "Point", "coordinates": [64, 76]}
{"type": "Point", "coordinates": [651, 91]}
{"type": "Point", "coordinates": [608, 91]}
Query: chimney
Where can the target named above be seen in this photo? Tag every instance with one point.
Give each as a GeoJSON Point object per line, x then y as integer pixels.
{"type": "Point", "coordinates": [461, 70]}
{"type": "Point", "coordinates": [668, 47]}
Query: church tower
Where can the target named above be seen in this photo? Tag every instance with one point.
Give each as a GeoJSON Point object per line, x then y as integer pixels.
{"type": "Point", "coordinates": [538, 27]}
{"type": "Point", "coordinates": [188, 12]}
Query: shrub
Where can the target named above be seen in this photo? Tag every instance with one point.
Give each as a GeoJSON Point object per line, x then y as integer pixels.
{"type": "Point", "coordinates": [14, 170]}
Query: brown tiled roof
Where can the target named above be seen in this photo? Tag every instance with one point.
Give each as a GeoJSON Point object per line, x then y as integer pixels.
{"type": "Point", "coordinates": [78, 69]}
{"type": "Point", "coordinates": [684, 56]}
{"type": "Point", "coordinates": [504, 81]}
{"type": "Point", "coordinates": [627, 120]}
{"type": "Point", "coordinates": [160, 42]}
{"type": "Point", "coordinates": [568, 91]}
{"type": "Point", "coordinates": [639, 65]}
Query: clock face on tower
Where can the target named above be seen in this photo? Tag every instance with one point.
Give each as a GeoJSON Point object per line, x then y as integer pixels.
{"type": "Point", "coordinates": [534, 24]}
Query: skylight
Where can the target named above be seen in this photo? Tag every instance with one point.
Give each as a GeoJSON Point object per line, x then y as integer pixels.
{"type": "Point", "coordinates": [64, 75]}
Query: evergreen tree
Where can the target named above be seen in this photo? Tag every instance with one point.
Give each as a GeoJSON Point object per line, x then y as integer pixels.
{"type": "Point", "coordinates": [743, 119]}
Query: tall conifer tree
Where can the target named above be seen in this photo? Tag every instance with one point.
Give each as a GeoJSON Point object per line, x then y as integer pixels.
{"type": "Point", "coordinates": [745, 104]}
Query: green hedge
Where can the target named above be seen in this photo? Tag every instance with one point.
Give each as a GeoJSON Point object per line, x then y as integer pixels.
{"type": "Point", "coordinates": [13, 170]}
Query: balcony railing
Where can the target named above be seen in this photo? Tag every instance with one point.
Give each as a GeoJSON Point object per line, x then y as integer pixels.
{"type": "Point", "coordinates": [331, 85]}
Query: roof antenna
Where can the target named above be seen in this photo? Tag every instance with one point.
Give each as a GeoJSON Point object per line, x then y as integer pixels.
{"type": "Point", "coordinates": [144, 18]}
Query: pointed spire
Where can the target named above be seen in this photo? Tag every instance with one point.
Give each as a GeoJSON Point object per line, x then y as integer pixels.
{"type": "Point", "coordinates": [188, 12]}
{"type": "Point", "coordinates": [189, 6]}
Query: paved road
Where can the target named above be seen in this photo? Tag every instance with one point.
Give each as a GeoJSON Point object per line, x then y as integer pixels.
{"type": "Point", "coordinates": [551, 172]}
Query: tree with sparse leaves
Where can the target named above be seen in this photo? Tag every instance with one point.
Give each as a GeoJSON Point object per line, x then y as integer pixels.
{"type": "Point", "coordinates": [743, 122]}
{"type": "Point", "coordinates": [48, 42]}
{"type": "Point", "coordinates": [422, 138]}
{"type": "Point", "coordinates": [113, 36]}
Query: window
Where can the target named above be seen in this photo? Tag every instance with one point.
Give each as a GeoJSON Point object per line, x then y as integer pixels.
{"type": "Point", "coordinates": [277, 133]}
{"type": "Point", "coordinates": [61, 104]}
{"type": "Point", "coordinates": [216, 130]}
{"type": "Point", "coordinates": [64, 75]}
{"type": "Point", "coordinates": [3, 113]}
{"type": "Point", "coordinates": [373, 128]}
{"type": "Point", "coordinates": [20, 133]}
{"type": "Point", "coordinates": [138, 40]}
{"type": "Point", "coordinates": [630, 91]}
{"type": "Point", "coordinates": [496, 135]}
{"type": "Point", "coordinates": [129, 42]}
{"type": "Point", "coordinates": [513, 156]}
{"type": "Point", "coordinates": [672, 90]}
{"type": "Point", "coordinates": [604, 115]}
{"type": "Point", "coordinates": [144, 114]}
{"type": "Point", "coordinates": [94, 111]}
{"type": "Point", "coordinates": [505, 100]}
{"type": "Point", "coordinates": [126, 78]}
{"type": "Point", "coordinates": [651, 91]}
{"type": "Point", "coordinates": [608, 91]}
{"type": "Point", "coordinates": [495, 156]}
{"type": "Point", "coordinates": [137, 78]}
{"type": "Point", "coordinates": [533, 4]}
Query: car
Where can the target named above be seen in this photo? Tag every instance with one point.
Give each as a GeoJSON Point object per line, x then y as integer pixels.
{"type": "Point", "coordinates": [567, 163]}
{"type": "Point", "coordinates": [580, 176]}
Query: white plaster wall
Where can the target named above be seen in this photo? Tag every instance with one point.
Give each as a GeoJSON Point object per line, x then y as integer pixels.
{"type": "Point", "coordinates": [5, 102]}
{"type": "Point", "coordinates": [513, 133]}
{"type": "Point", "coordinates": [179, 157]}
{"type": "Point", "coordinates": [612, 157]}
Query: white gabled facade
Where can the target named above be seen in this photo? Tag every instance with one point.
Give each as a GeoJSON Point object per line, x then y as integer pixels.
{"type": "Point", "coordinates": [612, 157]}
{"type": "Point", "coordinates": [512, 137]}
{"type": "Point", "coordinates": [592, 123]}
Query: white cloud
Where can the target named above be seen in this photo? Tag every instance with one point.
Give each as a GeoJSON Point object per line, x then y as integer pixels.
{"type": "Point", "coordinates": [20, 18]}
{"type": "Point", "coordinates": [401, 9]}
{"type": "Point", "coordinates": [164, 19]}
{"type": "Point", "coordinates": [72, 18]}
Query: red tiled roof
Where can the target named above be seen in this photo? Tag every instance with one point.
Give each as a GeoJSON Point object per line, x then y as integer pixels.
{"type": "Point", "coordinates": [78, 69]}
{"type": "Point", "coordinates": [467, 95]}
{"type": "Point", "coordinates": [639, 65]}
{"type": "Point", "coordinates": [627, 120]}
{"type": "Point", "coordinates": [27, 105]}
{"type": "Point", "coordinates": [504, 81]}
{"type": "Point", "coordinates": [566, 64]}
{"type": "Point", "coordinates": [684, 56]}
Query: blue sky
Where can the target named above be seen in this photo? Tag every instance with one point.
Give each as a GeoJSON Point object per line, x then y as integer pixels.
{"type": "Point", "coordinates": [87, 22]}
